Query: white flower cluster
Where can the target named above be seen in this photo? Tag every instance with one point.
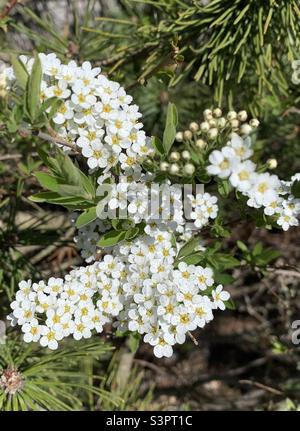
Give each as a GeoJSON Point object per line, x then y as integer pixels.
{"type": "Point", "coordinates": [262, 189]}
{"type": "Point", "coordinates": [96, 113]}
{"type": "Point", "coordinates": [136, 287]}
{"type": "Point", "coordinates": [161, 207]}
{"type": "Point", "coordinates": [88, 236]}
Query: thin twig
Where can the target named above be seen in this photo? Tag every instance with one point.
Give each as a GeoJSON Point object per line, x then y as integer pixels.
{"type": "Point", "coordinates": [10, 157]}
{"type": "Point", "coordinates": [8, 8]}
{"type": "Point", "coordinates": [261, 386]}
{"type": "Point", "coordinates": [193, 338]}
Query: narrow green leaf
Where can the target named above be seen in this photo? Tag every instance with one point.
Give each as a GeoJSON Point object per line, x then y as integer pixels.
{"type": "Point", "coordinates": [47, 181]}
{"type": "Point", "coordinates": [86, 217]}
{"type": "Point", "coordinates": [170, 128]}
{"type": "Point", "coordinates": [111, 238]}
{"type": "Point", "coordinates": [20, 71]}
{"type": "Point", "coordinates": [34, 88]}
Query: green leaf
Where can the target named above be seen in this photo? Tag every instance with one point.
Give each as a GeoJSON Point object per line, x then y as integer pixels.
{"type": "Point", "coordinates": [188, 248]}
{"type": "Point", "coordinates": [257, 250]}
{"type": "Point", "coordinates": [20, 71]}
{"type": "Point", "coordinates": [111, 238]}
{"type": "Point", "coordinates": [296, 189]}
{"type": "Point", "coordinates": [132, 233]}
{"type": "Point", "coordinates": [222, 261]}
{"type": "Point", "coordinates": [224, 188]}
{"type": "Point", "coordinates": [158, 145]}
{"type": "Point", "coordinates": [242, 246]}
{"type": "Point", "coordinates": [230, 305]}
{"type": "Point", "coordinates": [193, 259]}
{"type": "Point", "coordinates": [134, 341]}
{"type": "Point", "coordinates": [47, 181]}
{"type": "Point", "coordinates": [44, 197]}
{"type": "Point", "coordinates": [222, 278]}
{"type": "Point", "coordinates": [170, 128]}
{"type": "Point", "coordinates": [86, 217]}
{"type": "Point", "coordinates": [34, 88]}
{"type": "Point", "coordinates": [266, 256]}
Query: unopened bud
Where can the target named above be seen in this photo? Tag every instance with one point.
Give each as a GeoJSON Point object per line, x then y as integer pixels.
{"type": "Point", "coordinates": [221, 122]}
{"type": "Point", "coordinates": [204, 126]}
{"type": "Point", "coordinates": [254, 123]}
{"type": "Point", "coordinates": [207, 114]}
{"type": "Point", "coordinates": [212, 133]}
{"type": "Point", "coordinates": [187, 134]}
{"type": "Point", "coordinates": [217, 112]}
{"type": "Point", "coordinates": [164, 166]}
{"type": "Point", "coordinates": [186, 155]}
{"type": "Point", "coordinates": [174, 169]}
{"type": "Point", "coordinates": [194, 127]}
{"type": "Point", "coordinates": [242, 115]}
{"type": "Point", "coordinates": [234, 123]}
{"type": "Point", "coordinates": [200, 143]}
{"type": "Point", "coordinates": [174, 156]}
{"type": "Point", "coordinates": [246, 129]}
{"type": "Point", "coordinates": [179, 136]}
{"type": "Point", "coordinates": [231, 115]}
{"type": "Point", "coordinates": [189, 169]}
{"type": "Point", "coordinates": [272, 163]}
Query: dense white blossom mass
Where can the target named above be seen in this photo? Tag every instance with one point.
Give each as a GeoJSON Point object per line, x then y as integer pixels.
{"type": "Point", "coordinates": [139, 286]}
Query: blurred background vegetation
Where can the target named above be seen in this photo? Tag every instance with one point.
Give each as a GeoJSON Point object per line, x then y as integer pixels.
{"type": "Point", "coordinates": [198, 54]}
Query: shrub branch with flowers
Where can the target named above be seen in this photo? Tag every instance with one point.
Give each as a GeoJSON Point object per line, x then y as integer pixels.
{"type": "Point", "coordinates": [149, 273]}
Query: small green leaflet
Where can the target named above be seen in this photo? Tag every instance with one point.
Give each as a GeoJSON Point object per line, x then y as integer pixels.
{"type": "Point", "coordinates": [170, 128]}
{"type": "Point", "coordinates": [33, 89]}
{"type": "Point", "coordinates": [86, 217]}
{"type": "Point", "coordinates": [20, 71]}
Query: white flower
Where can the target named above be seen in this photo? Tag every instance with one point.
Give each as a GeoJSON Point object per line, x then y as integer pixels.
{"type": "Point", "coordinates": [49, 337]}
{"type": "Point", "coordinates": [219, 296]}
{"type": "Point", "coordinates": [97, 155]}
{"type": "Point", "coordinates": [286, 220]}
{"type": "Point", "coordinates": [222, 162]}
{"type": "Point", "coordinates": [162, 348]}
{"type": "Point", "coordinates": [241, 147]}
{"type": "Point", "coordinates": [242, 176]}
{"type": "Point", "coordinates": [204, 277]}
{"type": "Point", "coordinates": [203, 311]}
{"type": "Point", "coordinates": [264, 188]}
{"type": "Point", "coordinates": [81, 97]}
{"type": "Point", "coordinates": [32, 331]}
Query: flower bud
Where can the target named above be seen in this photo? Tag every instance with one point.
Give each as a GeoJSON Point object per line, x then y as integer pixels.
{"type": "Point", "coordinates": [174, 169]}
{"type": "Point", "coordinates": [174, 156]}
{"type": "Point", "coordinates": [221, 122]}
{"type": "Point", "coordinates": [179, 136]}
{"type": "Point", "coordinates": [254, 123]}
{"type": "Point", "coordinates": [200, 143]}
{"type": "Point", "coordinates": [189, 169]}
{"type": "Point", "coordinates": [164, 166]}
{"type": "Point", "coordinates": [194, 127]}
{"type": "Point", "coordinates": [234, 123]}
{"type": "Point", "coordinates": [207, 114]}
{"type": "Point", "coordinates": [186, 155]}
{"type": "Point", "coordinates": [231, 115]}
{"type": "Point", "coordinates": [217, 112]}
{"type": "Point", "coordinates": [245, 129]}
{"type": "Point", "coordinates": [204, 126]}
{"type": "Point", "coordinates": [212, 123]}
{"type": "Point", "coordinates": [187, 134]}
{"type": "Point", "coordinates": [212, 133]}
{"type": "Point", "coordinates": [242, 115]}
{"type": "Point", "coordinates": [272, 163]}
